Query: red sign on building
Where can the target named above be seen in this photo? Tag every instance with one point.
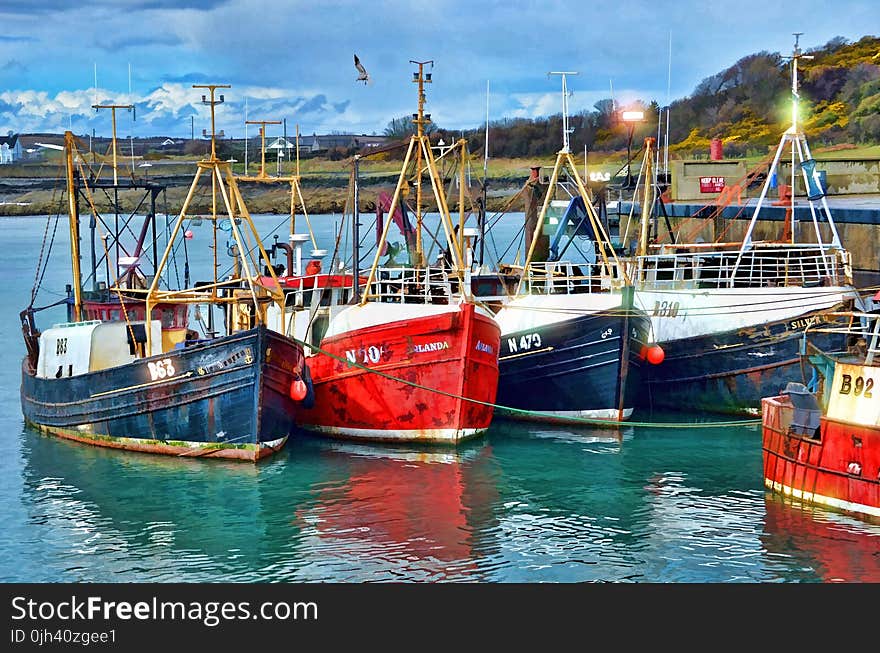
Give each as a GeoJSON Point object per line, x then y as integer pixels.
{"type": "Point", "coordinates": [711, 184]}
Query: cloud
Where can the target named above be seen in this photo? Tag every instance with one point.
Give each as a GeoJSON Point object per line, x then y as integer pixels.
{"type": "Point", "coordinates": [30, 7]}
{"type": "Point", "coordinates": [13, 66]}
{"type": "Point", "coordinates": [187, 78]}
{"type": "Point", "coordinates": [16, 39]}
{"type": "Point", "coordinates": [141, 41]}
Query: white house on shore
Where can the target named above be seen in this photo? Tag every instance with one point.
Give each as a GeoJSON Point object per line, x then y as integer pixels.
{"type": "Point", "coordinates": [10, 148]}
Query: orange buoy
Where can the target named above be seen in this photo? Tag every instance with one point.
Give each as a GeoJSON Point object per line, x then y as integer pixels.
{"type": "Point", "coordinates": [655, 354]}
{"type": "Point", "coordinates": [298, 389]}
{"type": "Point", "coordinates": [313, 268]}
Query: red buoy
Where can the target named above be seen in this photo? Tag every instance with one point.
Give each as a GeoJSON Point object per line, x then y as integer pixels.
{"type": "Point", "coordinates": [298, 389]}
{"type": "Point", "coordinates": [655, 354]}
{"type": "Point", "coordinates": [188, 234]}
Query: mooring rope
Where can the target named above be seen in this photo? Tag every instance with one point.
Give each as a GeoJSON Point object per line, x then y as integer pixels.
{"type": "Point", "coordinates": [531, 413]}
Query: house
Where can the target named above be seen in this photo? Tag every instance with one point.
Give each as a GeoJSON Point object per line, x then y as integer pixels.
{"type": "Point", "coordinates": [280, 144]}
{"type": "Point", "coordinates": [10, 148]}
{"type": "Point", "coordinates": [317, 143]}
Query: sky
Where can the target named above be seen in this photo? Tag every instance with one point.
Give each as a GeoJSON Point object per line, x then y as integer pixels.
{"type": "Point", "coordinates": [294, 61]}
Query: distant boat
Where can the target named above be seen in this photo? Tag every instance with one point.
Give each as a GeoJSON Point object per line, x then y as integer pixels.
{"type": "Point", "coordinates": [822, 446]}
{"type": "Point", "coordinates": [130, 370]}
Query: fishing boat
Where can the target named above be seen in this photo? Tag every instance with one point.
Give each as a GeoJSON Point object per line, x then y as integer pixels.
{"type": "Point", "coordinates": [572, 340]}
{"type": "Point", "coordinates": [821, 444]}
{"type": "Point", "coordinates": [406, 353]}
{"type": "Point", "coordinates": [139, 372]}
{"type": "Point", "coordinates": [729, 315]}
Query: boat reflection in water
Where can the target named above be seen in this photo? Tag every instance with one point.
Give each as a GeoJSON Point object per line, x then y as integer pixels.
{"type": "Point", "coordinates": [404, 513]}
{"type": "Point", "coordinates": [108, 516]}
{"type": "Point", "coordinates": [825, 544]}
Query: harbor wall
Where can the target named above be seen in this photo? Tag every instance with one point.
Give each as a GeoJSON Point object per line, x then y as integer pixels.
{"type": "Point", "coordinates": [842, 177]}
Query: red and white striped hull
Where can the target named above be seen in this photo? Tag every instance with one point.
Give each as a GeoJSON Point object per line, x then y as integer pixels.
{"type": "Point", "coordinates": [406, 373]}
{"type": "Point", "coordinates": [840, 469]}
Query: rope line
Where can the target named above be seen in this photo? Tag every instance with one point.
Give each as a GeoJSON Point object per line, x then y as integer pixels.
{"type": "Point", "coordinates": [532, 413]}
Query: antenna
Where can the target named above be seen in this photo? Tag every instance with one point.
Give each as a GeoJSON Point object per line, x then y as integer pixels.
{"type": "Point", "coordinates": [212, 103]}
{"type": "Point", "coordinates": [795, 55]}
{"type": "Point", "coordinates": [565, 130]}
{"type": "Point", "coordinates": [134, 117]}
{"type": "Point", "coordinates": [245, 135]}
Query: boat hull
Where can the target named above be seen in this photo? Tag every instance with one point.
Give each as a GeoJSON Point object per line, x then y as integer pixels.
{"type": "Point", "coordinates": [731, 371]}
{"type": "Point", "coordinates": [422, 379]}
{"type": "Point", "coordinates": [585, 367]}
{"type": "Point", "coordinates": [839, 469]}
{"type": "Point", "coordinates": [227, 398]}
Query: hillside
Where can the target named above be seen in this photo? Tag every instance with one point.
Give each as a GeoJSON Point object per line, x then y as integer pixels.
{"type": "Point", "coordinates": [746, 105]}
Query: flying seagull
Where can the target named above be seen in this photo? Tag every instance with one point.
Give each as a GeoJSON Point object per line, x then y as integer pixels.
{"type": "Point", "coordinates": [363, 76]}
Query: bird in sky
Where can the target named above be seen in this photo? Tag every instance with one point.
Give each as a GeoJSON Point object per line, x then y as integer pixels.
{"type": "Point", "coordinates": [362, 76]}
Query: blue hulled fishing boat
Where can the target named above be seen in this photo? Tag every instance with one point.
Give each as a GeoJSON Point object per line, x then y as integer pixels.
{"type": "Point", "coordinates": [132, 368]}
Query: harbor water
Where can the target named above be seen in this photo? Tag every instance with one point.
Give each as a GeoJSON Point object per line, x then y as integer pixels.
{"type": "Point", "coordinates": [525, 503]}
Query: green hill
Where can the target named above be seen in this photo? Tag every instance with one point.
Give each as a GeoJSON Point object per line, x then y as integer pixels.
{"type": "Point", "coordinates": [747, 105]}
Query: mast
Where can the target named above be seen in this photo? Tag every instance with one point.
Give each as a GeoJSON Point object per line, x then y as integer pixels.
{"type": "Point", "coordinates": [73, 220]}
{"type": "Point", "coordinates": [485, 190]}
{"type": "Point", "coordinates": [420, 119]}
{"type": "Point", "coordinates": [418, 150]}
{"type": "Point", "coordinates": [800, 152]}
{"type": "Point", "coordinates": [564, 159]}
{"type": "Point", "coordinates": [113, 108]}
{"type": "Point", "coordinates": [355, 234]}
{"type": "Point", "coordinates": [224, 181]}
{"type": "Point", "coordinates": [647, 197]}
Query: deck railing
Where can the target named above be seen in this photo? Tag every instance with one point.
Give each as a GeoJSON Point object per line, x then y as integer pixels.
{"type": "Point", "coordinates": [429, 285]}
{"type": "Point", "coordinates": [764, 266]}
{"type": "Point", "coordinates": [567, 278]}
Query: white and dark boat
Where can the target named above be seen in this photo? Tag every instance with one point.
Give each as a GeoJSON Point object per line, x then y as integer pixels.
{"type": "Point", "coordinates": [730, 315]}
{"type": "Point", "coordinates": [134, 367]}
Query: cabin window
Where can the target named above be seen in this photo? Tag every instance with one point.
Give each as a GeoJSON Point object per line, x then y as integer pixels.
{"type": "Point", "coordinates": [114, 314]}
{"type": "Point", "coordinates": [319, 328]}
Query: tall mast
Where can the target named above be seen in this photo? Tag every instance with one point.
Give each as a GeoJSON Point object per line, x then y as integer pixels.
{"type": "Point", "coordinates": [73, 220]}
{"type": "Point", "coordinates": [355, 233]}
{"type": "Point", "coordinates": [565, 130]}
{"type": "Point", "coordinates": [113, 108]}
{"type": "Point", "coordinates": [420, 119]}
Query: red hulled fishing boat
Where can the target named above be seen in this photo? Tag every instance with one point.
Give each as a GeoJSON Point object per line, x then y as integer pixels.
{"type": "Point", "coordinates": [823, 447]}
{"type": "Point", "coordinates": [406, 354]}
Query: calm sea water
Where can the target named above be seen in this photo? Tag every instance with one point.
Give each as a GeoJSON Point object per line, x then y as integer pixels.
{"type": "Point", "coordinates": [525, 503]}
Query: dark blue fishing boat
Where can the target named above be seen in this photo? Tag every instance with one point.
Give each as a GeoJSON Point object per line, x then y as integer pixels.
{"type": "Point", "coordinates": [572, 341]}
{"type": "Point", "coordinates": [586, 365]}
{"type": "Point", "coordinates": [730, 315]}
{"type": "Point", "coordinates": [140, 375]}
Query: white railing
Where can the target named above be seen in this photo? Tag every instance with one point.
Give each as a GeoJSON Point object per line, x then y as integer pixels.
{"type": "Point", "coordinates": [430, 285]}
{"type": "Point", "coordinates": [766, 266]}
{"type": "Point", "coordinates": [567, 278]}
